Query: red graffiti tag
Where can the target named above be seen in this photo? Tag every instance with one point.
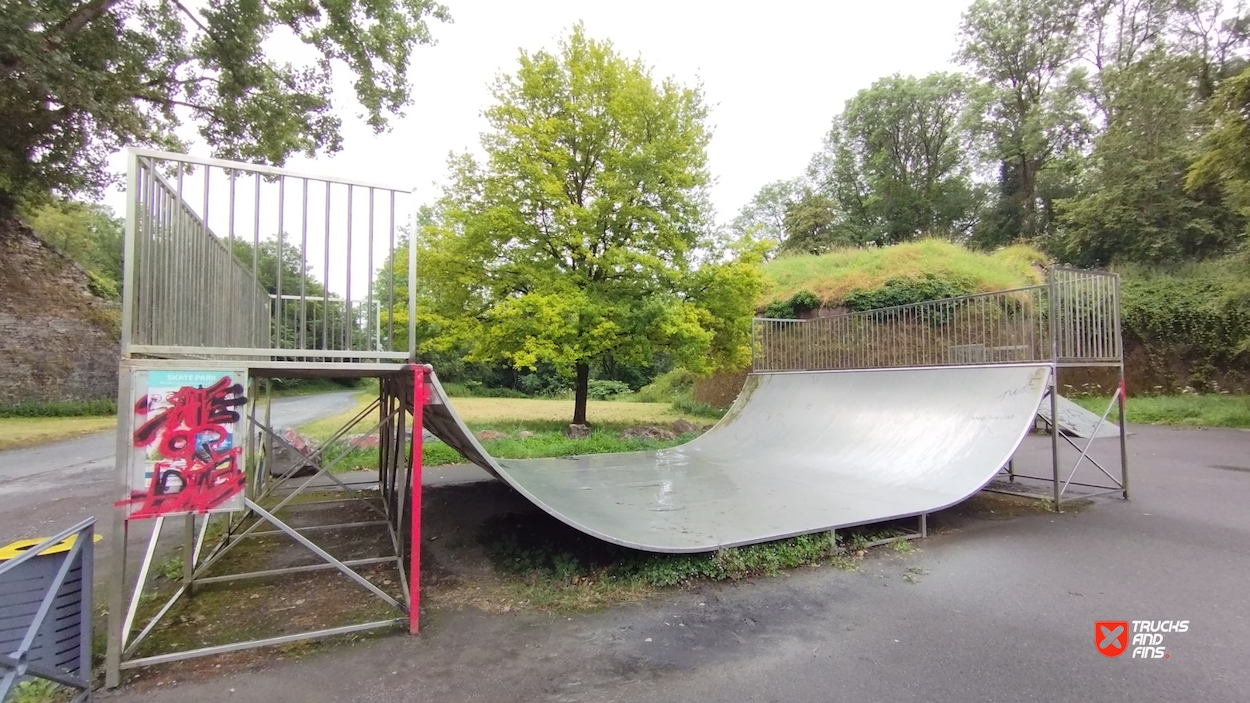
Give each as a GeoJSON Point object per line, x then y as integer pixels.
{"type": "Point", "coordinates": [197, 468]}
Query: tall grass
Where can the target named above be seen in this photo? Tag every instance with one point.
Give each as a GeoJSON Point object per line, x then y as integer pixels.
{"type": "Point", "coordinates": [834, 275]}
{"type": "Point", "coordinates": [85, 408]}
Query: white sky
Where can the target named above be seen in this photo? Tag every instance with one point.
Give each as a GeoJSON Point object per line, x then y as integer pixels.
{"type": "Point", "coordinates": [774, 74]}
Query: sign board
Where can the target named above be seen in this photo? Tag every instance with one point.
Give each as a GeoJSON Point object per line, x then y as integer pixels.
{"type": "Point", "coordinates": [186, 434]}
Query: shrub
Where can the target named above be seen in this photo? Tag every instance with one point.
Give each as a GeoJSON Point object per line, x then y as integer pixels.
{"type": "Point", "coordinates": [690, 406]}
{"type": "Point", "coordinates": [87, 408]}
{"type": "Point", "coordinates": [668, 386]}
{"type": "Point", "coordinates": [475, 389]}
{"type": "Point", "coordinates": [906, 291]}
{"type": "Point", "coordinates": [798, 304]}
{"type": "Point", "coordinates": [545, 384]}
{"type": "Point", "coordinates": [1192, 324]}
{"type": "Point", "coordinates": [597, 389]}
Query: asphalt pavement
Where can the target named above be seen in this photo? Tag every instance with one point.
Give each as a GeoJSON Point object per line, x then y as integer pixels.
{"type": "Point", "coordinates": [993, 610]}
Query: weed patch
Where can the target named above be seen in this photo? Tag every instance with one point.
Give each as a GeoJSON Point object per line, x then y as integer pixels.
{"type": "Point", "coordinates": [534, 545]}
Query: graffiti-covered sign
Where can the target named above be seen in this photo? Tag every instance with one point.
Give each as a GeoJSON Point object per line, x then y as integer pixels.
{"type": "Point", "coordinates": [187, 436]}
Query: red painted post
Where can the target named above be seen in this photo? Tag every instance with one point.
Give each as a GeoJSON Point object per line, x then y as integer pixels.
{"type": "Point", "coordinates": [414, 551]}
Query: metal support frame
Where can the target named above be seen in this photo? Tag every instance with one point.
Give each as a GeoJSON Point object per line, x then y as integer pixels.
{"type": "Point", "coordinates": [16, 665]}
{"type": "Point", "coordinates": [1060, 484]}
{"type": "Point", "coordinates": [921, 532]}
{"type": "Point", "coordinates": [191, 299]}
{"type": "Point", "coordinates": [1071, 312]}
{"type": "Point", "coordinates": [265, 502]}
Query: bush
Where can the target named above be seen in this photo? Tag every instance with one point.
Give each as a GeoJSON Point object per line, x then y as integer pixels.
{"type": "Point", "coordinates": [87, 408]}
{"type": "Point", "coordinates": [906, 291]}
{"type": "Point", "coordinates": [597, 389]}
{"type": "Point", "coordinates": [545, 383]}
{"type": "Point", "coordinates": [475, 389]}
{"type": "Point", "coordinates": [691, 406]}
{"type": "Point", "coordinates": [791, 309]}
{"type": "Point", "coordinates": [1192, 325]}
{"type": "Point", "coordinates": [668, 386]}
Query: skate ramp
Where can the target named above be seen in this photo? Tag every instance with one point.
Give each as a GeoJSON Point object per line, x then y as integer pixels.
{"type": "Point", "coordinates": [798, 453]}
{"type": "Point", "coordinates": [1076, 421]}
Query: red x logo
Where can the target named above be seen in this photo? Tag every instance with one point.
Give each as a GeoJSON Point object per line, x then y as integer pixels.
{"type": "Point", "coordinates": [1111, 637]}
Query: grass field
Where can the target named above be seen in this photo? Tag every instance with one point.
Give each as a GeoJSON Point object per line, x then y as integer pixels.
{"type": "Point", "coordinates": [17, 432]}
{"type": "Point", "coordinates": [1183, 410]}
{"type": "Point", "coordinates": [543, 421]}
{"type": "Point", "coordinates": [529, 413]}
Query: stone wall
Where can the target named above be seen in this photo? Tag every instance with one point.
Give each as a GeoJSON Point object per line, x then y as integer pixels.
{"type": "Point", "coordinates": [58, 340]}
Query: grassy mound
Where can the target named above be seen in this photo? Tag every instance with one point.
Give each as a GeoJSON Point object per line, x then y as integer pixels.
{"type": "Point", "coordinates": [936, 265]}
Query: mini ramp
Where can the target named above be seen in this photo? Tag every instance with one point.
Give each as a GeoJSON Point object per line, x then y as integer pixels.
{"type": "Point", "coordinates": [798, 453]}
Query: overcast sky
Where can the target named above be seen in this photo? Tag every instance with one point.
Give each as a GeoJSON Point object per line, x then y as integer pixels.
{"type": "Point", "coordinates": [774, 75]}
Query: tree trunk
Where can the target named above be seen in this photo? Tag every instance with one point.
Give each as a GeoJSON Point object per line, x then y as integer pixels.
{"type": "Point", "coordinates": [1028, 199]}
{"type": "Point", "coordinates": [579, 394]}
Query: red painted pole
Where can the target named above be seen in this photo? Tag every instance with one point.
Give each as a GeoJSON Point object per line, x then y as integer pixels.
{"type": "Point", "coordinates": [414, 551]}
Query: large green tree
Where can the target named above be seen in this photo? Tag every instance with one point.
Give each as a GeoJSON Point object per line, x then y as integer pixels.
{"type": "Point", "coordinates": [898, 160]}
{"type": "Point", "coordinates": [1026, 51]}
{"type": "Point", "coordinates": [82, 78]}
{"type": "Point", "coordinates": [1133, 205]}
{"type": "Point", "coordinates": [582, 236]}
{"type": "Point", "coordinates": [764, 217]}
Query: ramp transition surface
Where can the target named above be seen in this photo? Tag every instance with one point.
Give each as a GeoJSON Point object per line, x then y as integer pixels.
{"type": "Point", "coordinates": [799, 452]}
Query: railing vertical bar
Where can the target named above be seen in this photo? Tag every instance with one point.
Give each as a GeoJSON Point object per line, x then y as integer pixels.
{"type": "Point", "coordinates": [143, 269]}
{"type": "Point", "coordinates": [256, 319]}
{"type": "Point", "coordinates": [390, 284]}
{"type": "Point", "coordinates": [303, 266]}
{"type": "Point", "coordinates": [202, 273]}
{"type": "Point", "coordinates": [370, 324]}
{"type": "Point", "coordinates": [325, 292]}
{"type": "Point", "coordinates": [349, 324]}
{"type": "Point", "coordinates": [278, 307]}
{"type": "Point", "coordinates": [230, 268]}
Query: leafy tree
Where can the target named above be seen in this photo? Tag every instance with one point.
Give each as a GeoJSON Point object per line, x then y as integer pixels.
{"type": "Point", "coordinates": [1025, 50]}
{"type": "Point", "coordinates": [1134, 206]}
{"type": "Point", "coordinates": [1214, 33]}
{"type": "Point", "coordinates": [814, 225]}
{"type": "Point", "coordinates": [88, 233]}
{"type": "Point", "coordinates": [576, 240]}
{"type": "Point", "coordinates": [82, 78]}
{"type": "Point", "coordinates": [1225, 149]}
{"type": "Point", "coordinates": [1120, 33]}
{"type": "Point", "coordinates": [765, 216]}
{"type": "Point", "coordinates": [898, 160]}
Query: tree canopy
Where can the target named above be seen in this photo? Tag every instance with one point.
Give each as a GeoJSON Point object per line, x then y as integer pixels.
{"type": "Point", "coordinates": [81, 78]}
{"type": "Point", "coordinates": [584, 234]}
{"type": "Point", "coordinates": [1100, 131]}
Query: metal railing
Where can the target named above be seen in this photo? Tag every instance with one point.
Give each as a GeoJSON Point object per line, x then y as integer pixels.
{"type": "Point", "coordinates": [1087, 316]}
{"type": "Point", "coordinates": [45, 613]}
{"type": "Point", "coordinates": [235, 261]}
{"type": "Point", "coordinates": [1013, 326]}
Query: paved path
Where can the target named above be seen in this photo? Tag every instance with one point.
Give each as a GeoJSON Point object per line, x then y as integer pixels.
{"type": "Point", "coordinates": [1002, 610]}
{"type": "Point", "coordinates": [48, 488]}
